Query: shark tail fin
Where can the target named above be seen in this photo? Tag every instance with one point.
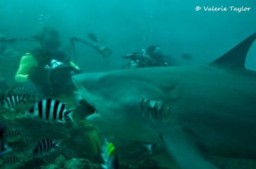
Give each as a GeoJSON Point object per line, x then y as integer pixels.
{"type": "Point", "coordinates": [236, 57]}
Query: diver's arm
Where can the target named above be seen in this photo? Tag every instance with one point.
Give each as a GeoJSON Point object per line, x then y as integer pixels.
{"type": "Point", "coordinates": [27, 62]}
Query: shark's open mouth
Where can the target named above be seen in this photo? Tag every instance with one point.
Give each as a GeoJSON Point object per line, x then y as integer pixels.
{"type": "Point", "coordinates": [87, 108]}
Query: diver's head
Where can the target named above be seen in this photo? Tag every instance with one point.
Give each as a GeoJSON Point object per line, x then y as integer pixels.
{"type": "Point", "coordinates": [151, 49]}
{"type": "Point", "coordinates": [154, 51]}
{"type": "Point", "coordinates": [49, 39]}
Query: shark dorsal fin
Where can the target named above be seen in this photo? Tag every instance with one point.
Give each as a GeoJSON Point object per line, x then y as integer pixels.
{"type": "Point", "coordinates": [236, 57]}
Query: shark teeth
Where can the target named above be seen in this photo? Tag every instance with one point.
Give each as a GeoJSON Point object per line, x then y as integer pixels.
{"type": "Point", "coordinates": [154, 110]}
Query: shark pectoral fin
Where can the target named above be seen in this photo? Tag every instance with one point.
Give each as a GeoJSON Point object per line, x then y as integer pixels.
{"type": "Point", "coordinates": [184, 152]}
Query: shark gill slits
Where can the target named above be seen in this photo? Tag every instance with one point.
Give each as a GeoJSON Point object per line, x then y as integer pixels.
{"type": "Point", "coordinates": [143, 102]}
{"type": "Point", "coordinates": [154, 109]}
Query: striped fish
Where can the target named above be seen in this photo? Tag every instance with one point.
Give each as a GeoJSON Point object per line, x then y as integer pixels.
{"type": "Point", "coordinates": [46, 146]}
{"type": "Point", "coordinates": [18, 147]}
{"type": "Point", "coordinates": [29, 90]}
{"type": "Point", "coordinates": [51, 110]}
{"type": "Point", "coordinates": [11, 133]}
{"type": "Point", "coordinates": [11, 102]}
{"type": "Point", "coordinates": [11, 159]}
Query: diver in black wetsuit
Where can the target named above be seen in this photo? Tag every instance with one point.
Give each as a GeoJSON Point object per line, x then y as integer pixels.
{"type": "Point", "coordinates": [150, 57]}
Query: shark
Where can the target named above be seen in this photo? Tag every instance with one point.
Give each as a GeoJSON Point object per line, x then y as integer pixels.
{"type": "Point", "coordinates": [195, 111]}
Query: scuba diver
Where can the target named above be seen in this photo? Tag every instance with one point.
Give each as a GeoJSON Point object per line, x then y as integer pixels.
{"type": "Point", "coordinates": [50, 70]}
{"type": "Point", "coordinates": [47, 67]}
{"type": "Point", "coordinates": [155, 53]}
{"type": "Point", "coordinates": [150, 57]}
